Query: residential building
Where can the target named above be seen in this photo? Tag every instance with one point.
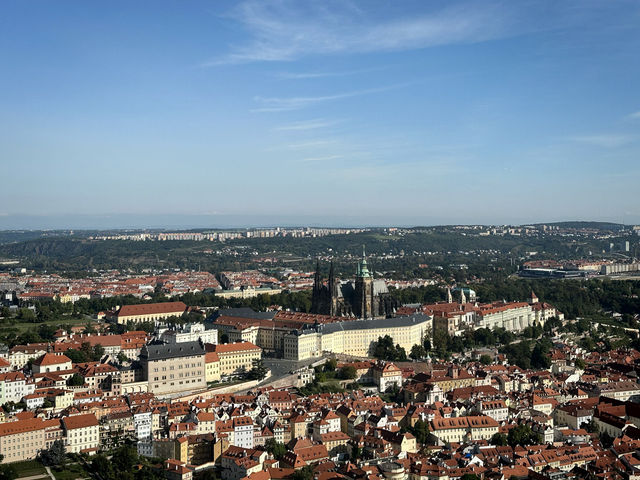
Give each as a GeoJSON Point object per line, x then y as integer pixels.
{"type": "Point", "coordinates": [356, 337]}
{"type": "Point", "coordinates": [236, 357]}
{"type": "Point", "coordinates": [82, 433]}
{"type": "Point", "coordinates": [463, 429]}
{"type": "Point", "coordinates": [190, 332]}
{"type": "Point", "coordinates": [149, 312]}
{"type": "Point", "coordinates": [170, 369]}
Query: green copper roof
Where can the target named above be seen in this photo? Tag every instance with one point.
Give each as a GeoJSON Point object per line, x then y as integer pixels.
{"type": "Point", "coordinates": [363, 269]}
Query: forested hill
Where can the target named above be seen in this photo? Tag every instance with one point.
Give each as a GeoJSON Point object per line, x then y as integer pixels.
{"type": "Point", "coordinates": [73, 253]}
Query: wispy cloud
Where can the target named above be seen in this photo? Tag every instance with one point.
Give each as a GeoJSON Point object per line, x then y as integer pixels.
{"type": "Point", "coordinates": [607, 140]}
{"type": "Point", "coordinates": [311, 75]}
{"type": "Point", "coordinates": [282, 104]}
{"type": "Point", "coordinates": [282, 30]}
{"type": "Point", "coordinates": [634, 115]}
{"type": "Point", "coordinates": [309, 144]}
{"type": "Point", "coordinates": [308, 125]}
{"type": "Point", "coordinates": [322, 158]}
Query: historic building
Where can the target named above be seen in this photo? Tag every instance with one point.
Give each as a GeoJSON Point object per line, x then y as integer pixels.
{"type": "Point", "coordinates": [355, 337]}
{"type": "Point", "coordinates": [365, 297]}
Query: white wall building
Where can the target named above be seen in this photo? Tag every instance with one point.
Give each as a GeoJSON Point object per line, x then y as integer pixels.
{"type": "Point", "coordinates": [190, 332]}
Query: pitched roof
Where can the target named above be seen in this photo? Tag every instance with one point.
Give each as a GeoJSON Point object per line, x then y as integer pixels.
{"type": "Point", "coordinates": [152, 308]}
{"type": "Point", "coordinates": [21, 426]}
{"type": "Point", "coordinates": [235, 347]}
{"type": "Point", "coordinates": [165, 351]}
{"type": "Point", "coordinates": [80, 421]}
{"type": "Point", "coordinates": [51, 359]}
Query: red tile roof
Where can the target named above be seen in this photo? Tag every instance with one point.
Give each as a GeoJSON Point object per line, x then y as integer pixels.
{"type": "Point", "coordinates": [51, 359]}
{"type": "Point", "coordinates": [80, 421]}
{"type": "Point", "coordinates": [152, 308]}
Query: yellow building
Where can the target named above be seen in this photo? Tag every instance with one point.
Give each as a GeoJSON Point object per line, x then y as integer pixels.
{"type": "Point", "coordinates": [463, 429]}
{"type": "Point", "coordinates": [212, 367]}
{"type": "Point", "coordinates": [82, 433]}
{"type": "Point", "coordinates": [149, 312]}
{"type": "Point", "coordinates": [356, 337]}
{"type": "Point", "coordinates": [237, 357]}
{"type": "Point", "coordinates": [22, 440]}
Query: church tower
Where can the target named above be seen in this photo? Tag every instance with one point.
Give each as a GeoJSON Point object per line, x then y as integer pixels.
{"type": "Point", "coordinates": [334, 284]}
{"type": "Point", "coordinates": [363, 304]}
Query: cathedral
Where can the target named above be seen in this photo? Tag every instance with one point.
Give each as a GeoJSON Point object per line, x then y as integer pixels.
{"type": "Point", "coordinates": [362, 298]}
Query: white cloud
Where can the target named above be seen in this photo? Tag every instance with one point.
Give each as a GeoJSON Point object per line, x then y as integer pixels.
{"type": "Point", "coordinates": [606, 140]}
{"type": "Point", "coordinates": [310, 144]}
{"type": "Point", "coordinates": [308, 125]}
{"type": "Point", "coordinates": [283, 104]}
{"type": "Point", "coordinates": [311, 75]}
{"type": "Point", "coordinates": [322, 158]}
{"type": "Point", "coordinates": [283, 30]}
{"type": "Point", "coordinates": [634, 115]}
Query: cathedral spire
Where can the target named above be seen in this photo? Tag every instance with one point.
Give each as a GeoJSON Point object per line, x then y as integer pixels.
{"type": "Point", "coordinates": [363, 269]}
{"type": "Point", "coordinates": [449, 297]}
{"type": "Point", "coordinates": [316, 277]}
{"type": "Point", "coordinates": [333, 283]}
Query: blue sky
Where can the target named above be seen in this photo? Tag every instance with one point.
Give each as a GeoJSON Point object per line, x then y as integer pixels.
{"type": "Point", "coordinates": [387, 112]}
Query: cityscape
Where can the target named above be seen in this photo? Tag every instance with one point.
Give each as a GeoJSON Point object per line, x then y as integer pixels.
{"type": "Point", "coordinates": [320, 240]}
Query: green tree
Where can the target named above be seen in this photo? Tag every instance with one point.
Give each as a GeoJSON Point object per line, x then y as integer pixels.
{"type": "Point", "coordinates": [523, 435]}
{"type": "Point", "coordinates": [606, 440]}
{"type": "Point", "coordinates": [418, 352]}
{"type": "Point", "coordinates": [54, 456]}
{"type": "Point", "coordinates": [124, 458]}
{"type": "Point", "coordinates": [591, 426]}
{"type": "Point", "coordinates": [580, 363]}
{"type": "Point", "coordinates": [348, 372]}
{"type": "Point", "coordinates": [441, 342]}
{"type": "Point", "coordinates": [420, 430]}
{"type": "Point", "coordinates": [356, 453]}
{"type": "Point", "coordinates": [540, 356]}
{"type": "Point", "coordinates": [26, 315]}
{"type": "Point", "coordinates": [276, 449]}
{"type": "Point", "coordinates": [76, 356]}
{"type": "Point", "coordinates": [101, 463]}
{"type": "Point", "coordinates": [76, 380]}
{"type": "Point", "coordinates": [385, 350]}
{"type": "Point", "coordinates": [304, 473]}
{"type": "Point", "coordinates": [8, 472]}
{"type": "Point", "coordinates": [331, 365]}
{"type": "Point", "coordinates": [258, 370]}
{"type": "Point", "coordinates": [499, 439]}
{"type": "Point", "coordinates": [485, 359]}
{"type": "Point", "coordinates": [122, 358]}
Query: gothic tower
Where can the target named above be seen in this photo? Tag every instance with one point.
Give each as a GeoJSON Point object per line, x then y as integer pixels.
{"type": "Point", "coordinates": [333, 291]}
{"type": "Point", "coordinates": [363, 304]}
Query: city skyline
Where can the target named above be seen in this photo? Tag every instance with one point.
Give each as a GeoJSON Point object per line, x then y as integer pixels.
{"type": "Point", "coordinates": [341, 113]}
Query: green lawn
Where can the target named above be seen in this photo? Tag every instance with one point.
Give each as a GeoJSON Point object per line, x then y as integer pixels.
{"type": "Point", "coordinates": [71, 472]}
{"type": "Point", "coordinates": [29, 468]}
{"type": "Point", "coordinates": [20, 327]}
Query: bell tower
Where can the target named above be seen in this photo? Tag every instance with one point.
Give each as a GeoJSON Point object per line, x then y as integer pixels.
{"type": "Point", "coordinates": [364, 289]}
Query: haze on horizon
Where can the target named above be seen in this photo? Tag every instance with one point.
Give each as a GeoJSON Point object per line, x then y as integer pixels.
{"type": "Point", "coordinates": [331, 113]}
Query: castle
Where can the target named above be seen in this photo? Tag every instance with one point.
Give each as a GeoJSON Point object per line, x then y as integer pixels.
{"type": "Point", "coordinates": [363, 298]}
